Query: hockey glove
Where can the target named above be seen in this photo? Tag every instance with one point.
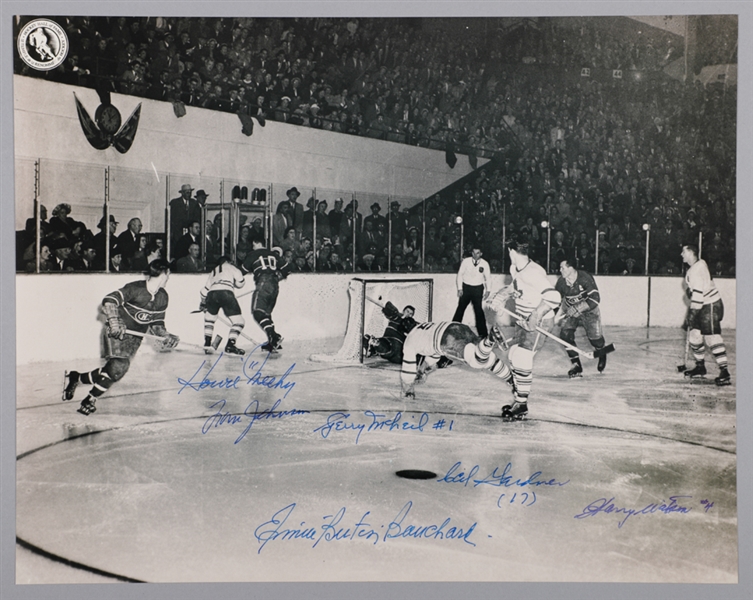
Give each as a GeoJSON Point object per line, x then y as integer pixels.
{"type": "Point", "coordinates": [115, 326]}
{"type": "Point", "coordinates": [203, 305]}
{"type": "Point", "coordinates": [576, 310]}
{"type": "Point", "coordinates": [692, 319]}
{"type": "Point", "coordinates": [169, 343]}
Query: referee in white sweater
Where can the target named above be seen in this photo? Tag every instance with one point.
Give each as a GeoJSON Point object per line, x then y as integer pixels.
{"type": "Point", "coordinates": [473, 287]}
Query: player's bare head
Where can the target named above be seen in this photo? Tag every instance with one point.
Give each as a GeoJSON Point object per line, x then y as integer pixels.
{"type": "Point", "coordinates": [257, 241]}
{"type": "Point", "coordinates": [567, 266]}
{"type": "Point", "coordinates": [518, 247]}
{"type": "Point", "coordinates": [158, 267]}
{"type": "Point", "coordinates": [689, 253]}
{"type": "Point", "coordinates": [409, 311]}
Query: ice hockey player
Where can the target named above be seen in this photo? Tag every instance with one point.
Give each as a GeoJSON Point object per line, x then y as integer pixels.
{"type": "Point", "coordinates": [704, 317]}
{"type": "Point", "coordinates": [390, 345]}
{"type": "Point", "coordinates": [428, 343]}
{"type": "Point", "coordinates": [535, 303]}
{"type": "Point", "coordinates": [219, 293]}
{"type": "Point", "coordinates": [264, 264]}
{"type": "Point", "coordinates": [580, 306]}
{"type": "Point", "coordinates": [138, 306]}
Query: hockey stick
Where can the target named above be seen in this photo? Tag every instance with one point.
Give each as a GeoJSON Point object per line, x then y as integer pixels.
{"type": "Point", "coordinates": [148, 336]}
{"type": "Point", "coordinates": [682, 367]}
{"type": "Point", "coordinates": [598, 353]}
{"type": "Point", "coordinates": [198, 310]}
{"type": "Point", "coordinates": [379, 304]}
{"type": "Point", "coordinates": [229, 324]}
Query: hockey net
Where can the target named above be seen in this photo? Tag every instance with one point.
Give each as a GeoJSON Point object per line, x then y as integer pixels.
{"type": "Point", "coordinates": [366, 318]}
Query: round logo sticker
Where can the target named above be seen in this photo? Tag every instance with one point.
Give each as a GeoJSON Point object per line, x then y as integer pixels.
{"type": "Point", "coordinates": [43, 44]}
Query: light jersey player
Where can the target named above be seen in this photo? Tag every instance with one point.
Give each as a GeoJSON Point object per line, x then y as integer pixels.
{"type": "Point", "coordinates": [219, 293]}
{"type": "Point", "coordinates": [535, 302]}
{"type": "Point", "coordinates": [428, 343]}
{"type": "Point", "coordinates": [704, 317]}
{"type": "Point", "coordinates": [138, 306]}
{"type": "Point", "coordinates": [580, 306]}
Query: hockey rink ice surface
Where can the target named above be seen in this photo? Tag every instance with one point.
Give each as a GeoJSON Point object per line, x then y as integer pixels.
{"type": "Point", "coordinates": [627, 476]}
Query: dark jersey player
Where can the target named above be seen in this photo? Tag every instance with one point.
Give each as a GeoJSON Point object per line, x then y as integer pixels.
{"type": "Point", "coordinates": [580, 306]}
{"type": "Point", "coordinates": [267, 271]}
{"type": "Point", "coordinates": [137, 307]}
{"type": "Point", "coordinates": [390, 345]}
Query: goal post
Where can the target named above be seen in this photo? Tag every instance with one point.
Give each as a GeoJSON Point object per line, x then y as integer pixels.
{"type": "Point", "coordinates": [366, 318]}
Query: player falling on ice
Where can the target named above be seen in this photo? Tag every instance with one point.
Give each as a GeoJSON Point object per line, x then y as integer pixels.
{"type": "Point", "coordinates": [705, 314]}
{"type": "Point", "coordinates": [264, 264]}
{"type": "Point", "coordinates": [428, 343]}
{"type": "Point", "coordinates": [219, 293]}
{"type": "Point", "coordinates": [137, 307]}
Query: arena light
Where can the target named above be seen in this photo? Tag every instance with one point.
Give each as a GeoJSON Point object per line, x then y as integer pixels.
{"type": "Point", "coordinates": [646, 227]}
{"type": "Point", "coordinates": [545, 224]}
{"type": "Point", "coordinates": [459, 220]}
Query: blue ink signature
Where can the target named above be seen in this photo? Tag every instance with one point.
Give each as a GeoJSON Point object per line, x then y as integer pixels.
{"type": "Point", "coordinates": [338, 421]}
{"type": "Point", "coordinates": [252, 412]}
{"type": "Point", "coordinates": [604, 505]}
{"type": "Point", "coordinates": [496, 479]}
{"type": "Point", "coordinates": [333, 530]}
{"type": "Point", "coordinates": [252, 375]}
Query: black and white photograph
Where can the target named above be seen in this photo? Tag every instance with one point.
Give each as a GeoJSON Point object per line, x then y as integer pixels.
{"type": "Point", "coordinates": [351, 298]}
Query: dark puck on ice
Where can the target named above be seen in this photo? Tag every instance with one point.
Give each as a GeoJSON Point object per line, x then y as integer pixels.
{"type": "Point", "coordinates": [415, 474]}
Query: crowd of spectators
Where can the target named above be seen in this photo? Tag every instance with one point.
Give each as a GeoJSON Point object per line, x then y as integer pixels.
{"type": "Point", "coordinates": [594, 159]}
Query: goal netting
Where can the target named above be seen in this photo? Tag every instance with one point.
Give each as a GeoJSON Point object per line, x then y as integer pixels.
{"type": "Point", "coordinates": [366, 318]}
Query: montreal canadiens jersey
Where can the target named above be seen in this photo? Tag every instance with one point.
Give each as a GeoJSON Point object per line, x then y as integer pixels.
{"type": "Point", "coordinates": [583, 289]}
{"type": "Point", "coordinates": [137, 307]}
{"type": "Point", "coordinates": [226, 277]}
{"type": "Point", "coordinates": [533, 287]}
{"type": "Point", "coordinates": [702, 287]}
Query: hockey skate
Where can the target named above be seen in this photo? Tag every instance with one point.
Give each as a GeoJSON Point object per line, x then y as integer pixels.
{"type": "Point", "coordinates": [273, 346]}
{"type": "Point", "coordinates": [577, 370]}
{"type": "Point", "coordinates": [495, 336]}
{"type": "Point", "coordinates": [231, 348]}
{"type": "Point", "coordinates": [515, 412]}
{"type": "Point", "coordinates": [698, 371]}
{"type": "Point", "coordinates": [87, 406]}
{"type": "Point", "coordinates": [602, 363]}
{"type": "Point", "coordinates": [70, 383]}
{"type": "Point", "coordinates": [724, 378]}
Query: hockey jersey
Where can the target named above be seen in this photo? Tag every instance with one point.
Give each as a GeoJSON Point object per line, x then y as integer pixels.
{"type": "Point", "coordinates": [226, 277]}
{"type": "Point", "coordinates": [533, 287]}
{"type": "Point", "coordinates": [265, 263]}
{"type": "Point", "coordinates": [583, 289]}
{"type": "Point", "coordinates": [137, 307]}
{"type": "Point", "coordinates": [701, 286]}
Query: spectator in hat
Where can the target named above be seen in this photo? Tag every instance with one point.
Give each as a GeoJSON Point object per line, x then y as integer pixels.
{"type": "Point", "coordinates": [295, 212]}
{"type": "Point", "coordinates": [116, 261]}
{"type": "Point", "coordinates": [100, 241]}
{"type": "Point", "coordinates": [183, 211]}
{"type": "Point", "coordinates": [398, 224]}
{"type": "Point", "coordinates": [61, 222]}
{"type": "Point", "coordinates": [61, 255]}
{"type": "Point", "coordinates": [201, 197]}
{"type": "Point", "coordinates": [281, 221]}
{"type": "Point", "coordinates": [375, 218]}
{"type": "Point", "coordinates": [46, 260]}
